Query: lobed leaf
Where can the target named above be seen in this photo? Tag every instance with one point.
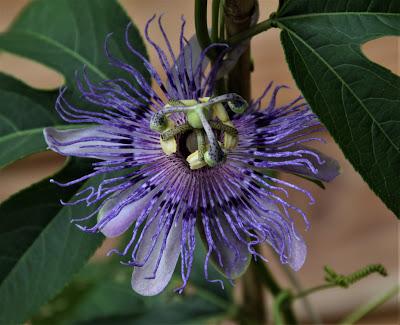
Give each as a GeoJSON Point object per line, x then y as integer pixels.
{"type": "Point", "coordinates": [65, 35]}
{"type": "Point", "coordinates": [69, 34]}
{"type": "Point", "coordinates": [357, 100]}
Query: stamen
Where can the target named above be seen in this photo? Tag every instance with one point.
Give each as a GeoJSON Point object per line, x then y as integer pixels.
{"type": "Point", "coordinates": [180, 129]}
{"type": "Point", "coordinates": [217, 125]}
{"type": "Point", "coordinates": [201, 143]}
{"type": "Point", "coordinates": [199, 115]}
{"type": "Point", "coordinates": [220, 113]}
{"type": "Point", "coordinates": [230, 138]}
{"type": "Point", "coordinates": [169, 145]}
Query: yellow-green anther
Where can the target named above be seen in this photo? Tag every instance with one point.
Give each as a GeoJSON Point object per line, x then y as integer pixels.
{"type": "Point", "coordinates": [230, 138]}
{"type": "Point", "coordinates": [219, 111]}
{"type": "Point", "coordinates": [195, 161]}
{"type": "Point", "coordinates": [169, 146]}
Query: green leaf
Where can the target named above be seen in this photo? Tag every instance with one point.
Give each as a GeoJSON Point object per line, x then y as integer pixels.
{"type": "Point", "coordinates": [69, 34]}
{"type": "Point", "coordinates": [357, 100]}
{"type": "Point", "coordinates": [65, 35]}
{"type": "Point", "coordinates": [23, 114]}
{"type": "Point", "coordinates": [40, 249]}
{"type": "Point", "coordinates": [190, 309]}
{"type": "Point", "coordinates": [101, 290]}
{"type": "Point", "coordinates": [26, 213]}
{"type": "Point", "coordinates": [101, 293]}
{"type": "Point", "coordinates": [110, 297]}
{"type": "Point", "coordinates": [197, 276]}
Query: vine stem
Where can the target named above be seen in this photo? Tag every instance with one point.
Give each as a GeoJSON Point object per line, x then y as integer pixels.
{"type": "Point", "coordinates": [237, 19]}
{"type": "Point", "coordinates": [314, 317]}
{"type": "Point", "coordinates": [305, 293]}
{"type": "Point", "coordinates": [221, 21]}
{"type": "Point", "coordinates": [280, 295]}
{"type": "Point", "coordinates": [215, 20]}
{"type": "Point", "coordinates": [280, 299]}
{"type": "Point", "coordinates": [370, 306]}
{"type": "Point", "coordinates": [238, 15]}
{"type": "Point", "coordinates": [248, 33]}
{"type": "Point", "coordinates": [253, 297]}
{"type": "Point", "coordinates": [200, 23]}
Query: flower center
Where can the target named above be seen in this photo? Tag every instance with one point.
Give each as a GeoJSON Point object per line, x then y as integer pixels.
{"type": "Point", "coordinates": [207, 133]}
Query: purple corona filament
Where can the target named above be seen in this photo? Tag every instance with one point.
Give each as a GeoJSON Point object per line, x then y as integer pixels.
{"type": "Point", "coordinates": [151, 191]}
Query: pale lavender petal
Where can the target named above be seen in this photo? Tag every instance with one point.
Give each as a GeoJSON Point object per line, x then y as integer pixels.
{"type": "Point", "coordinates": [283, 239]}
{"type": "Point", "coordinates": [124, 217]}
{"type": "Point", "coordinates": [326, 171]}
{"type": "Point", "coordinates": [233, 256]}
{"type": "Point", "coordinates": [144, 281]}
{"type": "Point", "coordinates": [298, 252]}
{"type": "Point", "coordinates": [91, 142]}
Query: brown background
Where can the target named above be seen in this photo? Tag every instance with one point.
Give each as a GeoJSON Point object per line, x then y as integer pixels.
{"type": "Point", "coordinates": [351, 227]}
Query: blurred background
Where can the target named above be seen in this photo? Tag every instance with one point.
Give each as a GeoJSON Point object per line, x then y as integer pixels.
{"type": "Point", "coordinates": [351, 227]}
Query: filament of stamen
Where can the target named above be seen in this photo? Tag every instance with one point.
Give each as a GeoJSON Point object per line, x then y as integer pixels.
{"type": "Point", "coordinates": [175, 131]}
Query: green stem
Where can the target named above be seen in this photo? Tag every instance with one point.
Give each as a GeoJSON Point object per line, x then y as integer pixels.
{"type": "Point", "coordinates": [297, 285]}
{"type": "Point", "coordinates": [218, 18]}
{"type": "Point", "coordinates": [370, 306]}
{"type": "Point", "coordinates": [279, 300]}
{"type": "Point", "coordinates": [252, 31]}
{"type": "Point", "coordinates": [221, 21]}
{"type": "Point", "coordinates": [304, 293]}
{"type": "Point", "coordinates": [200, 22]}
{"type": "Point", "coordinates": [237, 20]}
{"type": "Point", "coordinates": [215, 20]}
{"type": "Point", "coordinates": [253, 298]}
{"type": "Point", "coordinates": [265, 276]}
